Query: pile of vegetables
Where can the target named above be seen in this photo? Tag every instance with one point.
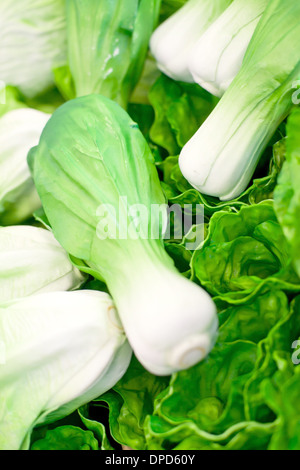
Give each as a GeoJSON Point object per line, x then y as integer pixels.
{"type": "Point", "coordinates": [115, 331]}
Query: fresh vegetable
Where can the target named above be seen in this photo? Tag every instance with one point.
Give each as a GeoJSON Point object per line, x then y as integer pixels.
{"type": "Point", "coordinates": [217, 56]}
{"type": "Point", "coordinates": [170, 322]}
{"type": "Point", "coordinates": [32, 261]}
{"type": "Point", "coordinates": [107, 46]}
{"type": "Point", "coordinates": [221, 157]}
{"type": "Point", "coordinates": [245, 395]}
{"type": "Point", "coordinates": [173, 40]}
{"type": "Point", "coordinates": [72, 438]}
{"type": "Point", "coordinates": [180, 109]}
{"type": "Point", "coordinates": [101, 288]}
{"type": "Point", "coordinates": [287, 192]}
{"type": "Point", "coordinates": [33, 43]}
{"type": "Point", "coordinates": [59, 351]}
{"type": "Point", "coordinates": [20, 129]}
{"type": "Point", "coordinates": [245, 253]}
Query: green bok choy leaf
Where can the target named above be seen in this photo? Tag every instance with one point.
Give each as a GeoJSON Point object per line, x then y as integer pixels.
{"type": "Point", "coordinates": [107, 45]}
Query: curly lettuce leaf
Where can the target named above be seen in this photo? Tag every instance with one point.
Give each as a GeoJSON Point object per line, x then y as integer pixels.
{"type": "Point", "coordinates": [130, 402]}
{"type": "Point", "coordinates": [66, 438]}
{"type": "Point", "coordinates": [98, 429]}
{"type": "Point", "coordinates": [244, 252]}
{"type": "Point", "coordinates": [211, 413]}
{"type": "Point", "coordinates": [235, 400]}
{"type": "Point", "coordinates": [180, 109]}
{"type": "Point", "coordinates": [282, 395]}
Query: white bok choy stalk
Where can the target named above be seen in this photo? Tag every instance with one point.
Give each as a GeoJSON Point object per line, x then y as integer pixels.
{"type": "Point", "coordinates": [20, 129]}
{"type": "Point", "coordinates": [59, 350]}
{"type": "Point", "coordinates": [103, 199]}
{"type": "Point", "coordinates": [172, 41]}
{"type": "Point", "coordinates": [217, 56]}
{"type": "Point", "coordinates": [220, 159]}
{"type": "Point", "coordinates": [33, 42]}
{"type": "Point", "coordinates": [32, 261]}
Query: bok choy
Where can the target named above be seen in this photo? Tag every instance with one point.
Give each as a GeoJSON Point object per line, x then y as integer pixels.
{"type": "Point", "coordinates": [32, 43]}
{"type": "Point", "coordinates": [98, 190]}
{"type": "Point", "coordinates": [59, 350]}
{"type": "Point", "coordinates": [173, 40]}
{"type": "Point", "coordinates": [20, 129]}
{"type": "Point", "coordinates": [220, 159]}
{"type": "Point", "coordinates": [217, 56]}
{"type": "Point", "coordinates": [32, 261]}
{"type": "Point", "coordinates": [107, 45]}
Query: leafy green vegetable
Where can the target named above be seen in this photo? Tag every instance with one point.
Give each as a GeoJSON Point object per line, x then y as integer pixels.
{"type": "Point", "coordinates": [217, 56]}
{"type": "Point", "coordinates": [110, 226]}
{"type": "Point", "coordinates": [20, 129]}
{"type": "Point", "coordinates": [179, 191]}
{"type": "Point", "coordinates": [169, 7]}
{"type": "Point", "coordinates": [224, 402]}
{"type": "Point", "coordinates": [287, 192]}
{"type": "Point", "coordinates": [244, 253]}
{"type": "Point", "coordinates": [55, 359]}
{"type": "Point", "coordinates": [281, 394]}
{"type": "Point", "coordinates": [127, 413]}
{"type": "Point", "coordinates": [12, 100]}
{"type": "Point", "coordinates": [227, 401]}
{"type": "Point", "coordinates": [221, 157]}
{"type": "Point", "coordinates": [253, 319]}
{"type": "Point", "coordinates": [32, 261]}
{"type": "Point", "coordinates": [180, 109]}
{"type": "Point", "coordinates": [149, 76]}
{"type": "Point", "coordinates": [173, 40]}
{"type": "Point", "coordinates": [33, 43]}
{"type": "Point", "coordinates": [67, 438]}
{"type": "Point", "coordinates": [68, 378]}
{"type": "Point", "coordinates": [98, 428]}
{"type": "Point", "coordinates": [107, 46]}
